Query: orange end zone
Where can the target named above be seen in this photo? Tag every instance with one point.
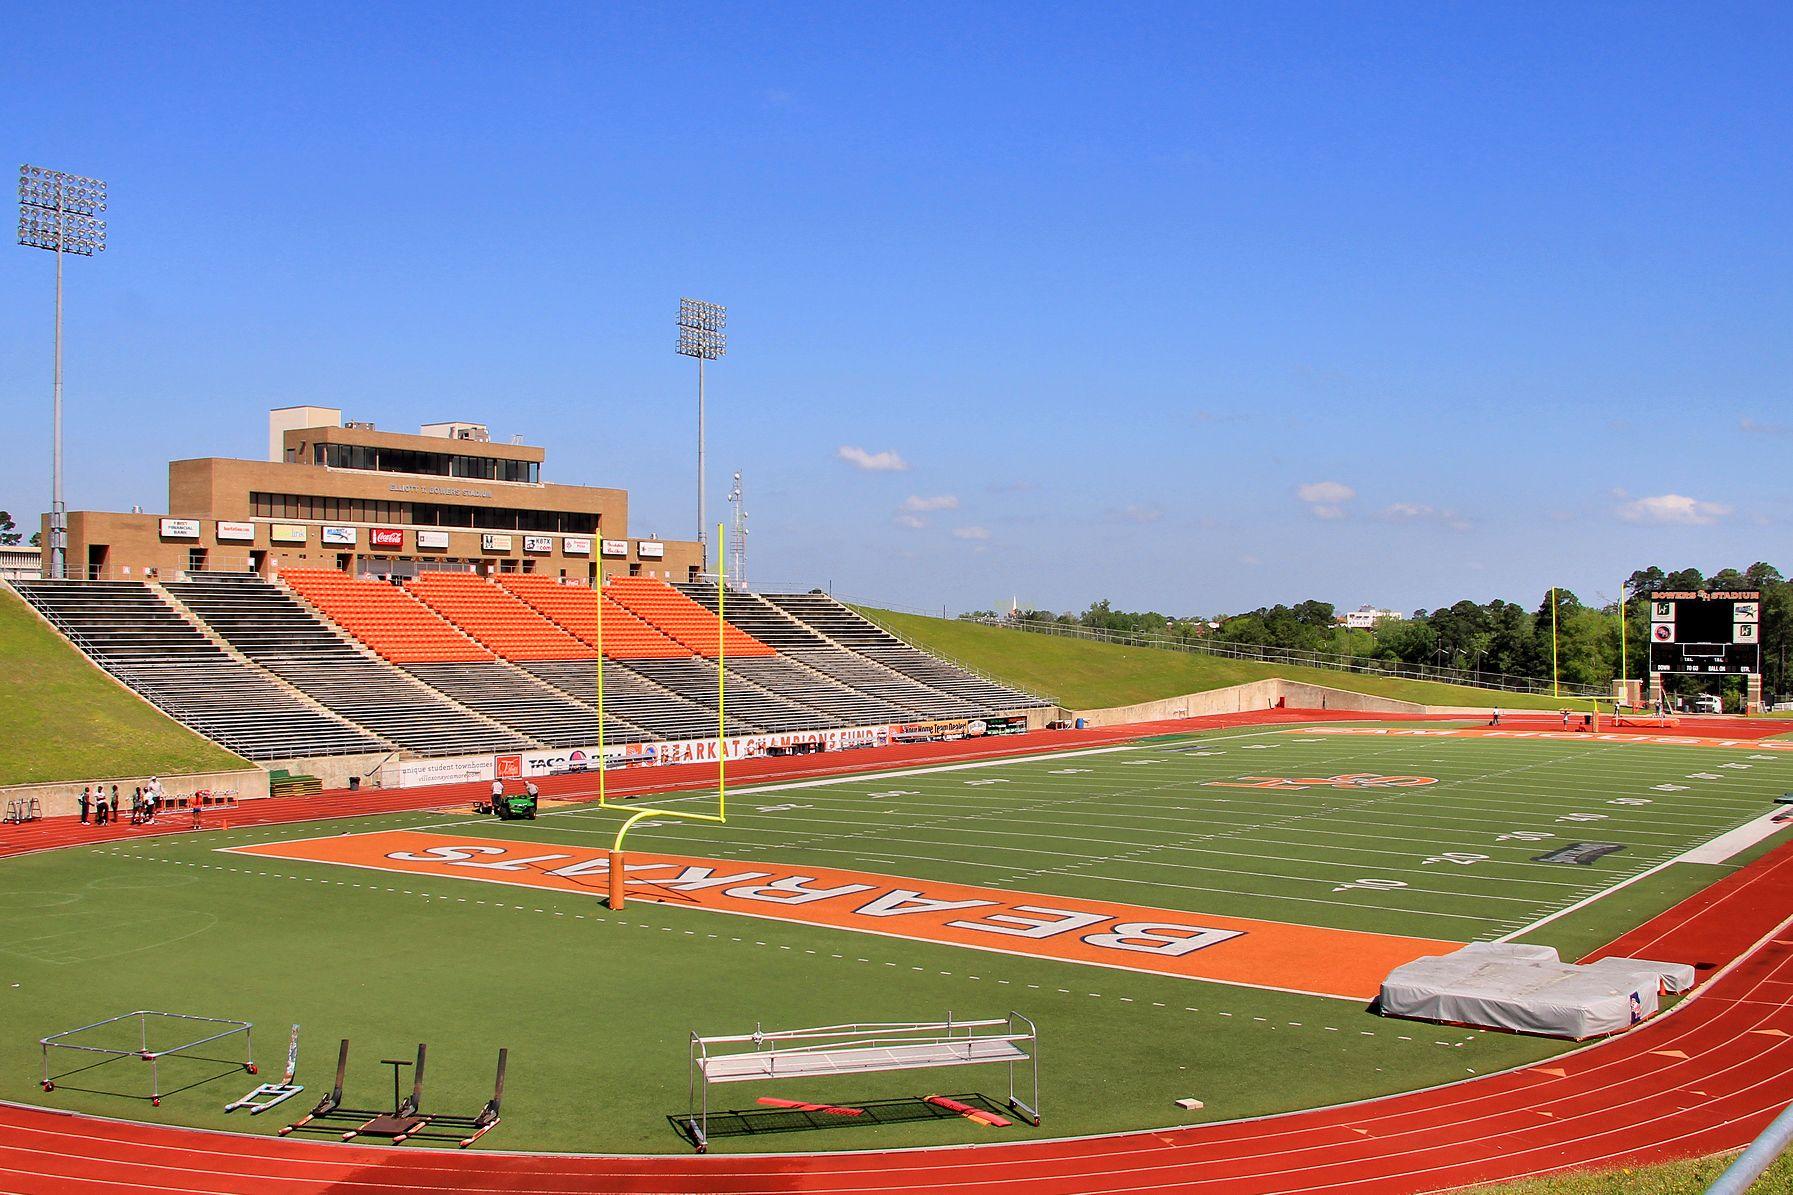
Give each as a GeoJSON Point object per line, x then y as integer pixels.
{"type": "Point", "coordinates": [1346, 964]}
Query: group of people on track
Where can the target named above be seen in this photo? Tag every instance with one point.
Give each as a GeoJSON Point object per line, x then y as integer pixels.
{"type": "Point", "coordinates": [100, 806]}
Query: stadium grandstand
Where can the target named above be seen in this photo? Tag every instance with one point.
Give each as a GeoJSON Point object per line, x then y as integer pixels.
{"type": "Point", "coordinates": [286, 612]}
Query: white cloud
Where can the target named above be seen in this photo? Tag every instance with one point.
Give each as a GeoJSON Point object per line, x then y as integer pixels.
{"type": "Point", "coordinates": [1677, 509]}
{"type": "Point", "coordinates": [911, 521]}
{"type": "Point", "coordinates": [872, 462]}
{"type": "Point", "coordinates": [1410, 512]}
{"type": "Point", "coordinates": [915, 502]}
{"type": "Point", "coordinates": [970, 533]}
{"type": "Point", "coordinates": [1135, 513]}
{"type": "Point", "coordinates": [1325, 499]}
{"type": "Point", "coordinates": [1757, 427]}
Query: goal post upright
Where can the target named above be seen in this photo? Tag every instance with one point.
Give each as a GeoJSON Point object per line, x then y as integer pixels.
{"type": "Point", "coordinates": [603, 760]}
{"type": "Point", "coordinates": [618, 859]}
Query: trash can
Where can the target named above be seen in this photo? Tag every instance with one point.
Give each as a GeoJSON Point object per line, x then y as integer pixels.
{"type": "Point", "coordinates": [354, 783]}
{"type": "Point", "coordinates": [1080, 724]}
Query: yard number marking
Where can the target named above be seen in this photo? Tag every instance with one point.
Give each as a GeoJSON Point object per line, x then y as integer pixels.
{"type": "Point", "coordinates": [1582, 817]}
{"type": "Point", "coordinates": [1372, 885]}
{"type": "Point", "coordinates": [1461, 858]}
{"type": "Point", "coordinates": [1525, 836]}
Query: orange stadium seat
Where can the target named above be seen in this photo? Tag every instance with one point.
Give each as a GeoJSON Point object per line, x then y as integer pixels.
{"type": "Point", "coordinates": [570, 607]}
{"type": "Point", "coordinates": [496, 617]}
{"type": "Point", "coordinates": [393, 624]}
{"type": "Point", "coordinates": [677, 616]}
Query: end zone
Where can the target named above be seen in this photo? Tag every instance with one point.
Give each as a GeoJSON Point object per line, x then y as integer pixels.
{"type": "Point", "coordinates": [1343, 964]}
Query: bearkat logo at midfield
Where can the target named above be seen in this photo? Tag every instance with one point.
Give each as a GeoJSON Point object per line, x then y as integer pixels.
{"type": "Point", "coordinates": [1350, 780]}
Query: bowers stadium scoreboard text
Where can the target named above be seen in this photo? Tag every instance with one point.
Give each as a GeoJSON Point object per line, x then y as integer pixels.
{"type": "Point", "coordinates": [1716, 632]}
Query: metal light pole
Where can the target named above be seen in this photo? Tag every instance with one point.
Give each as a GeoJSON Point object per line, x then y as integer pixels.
{"type": "Point", "coordinates": [701, 335]}
{"type": "Point", "coordinates": [738, 540]}
{"type": "Point", "coordinates": [60, 212]}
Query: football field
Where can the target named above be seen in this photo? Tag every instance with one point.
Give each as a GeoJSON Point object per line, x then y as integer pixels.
{"type": "Point", "coordinates": [1197, 916]}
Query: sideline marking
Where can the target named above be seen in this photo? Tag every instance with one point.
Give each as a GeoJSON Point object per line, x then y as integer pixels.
{"type": "Point", "coordinates": [1343, 964]}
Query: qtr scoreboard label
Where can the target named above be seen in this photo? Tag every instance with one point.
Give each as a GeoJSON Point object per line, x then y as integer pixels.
{"type": "Point", "coordinates": [1237, 950]}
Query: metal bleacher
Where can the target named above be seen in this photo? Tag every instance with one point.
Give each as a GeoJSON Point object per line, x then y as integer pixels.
{"type": "Point", "coordinates": [694, 680]}
{"type": "Point", "coordinates": [767, 622]}
{"type": "Point", "coordinates": [793, 675]}
{"type": "Point", "coordinates": [526, 702]}
{"type": "Point", "coordinates": [631, 696]}
{"type": "Point", "coordinates": [127, 629]}
{"type": "Point", "coordinates": [267, 624]}
{"type": "Point", "coordinates": [847, 628]}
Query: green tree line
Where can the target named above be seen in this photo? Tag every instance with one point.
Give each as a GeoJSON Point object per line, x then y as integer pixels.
{"type": "Point", "coordinates": [1492, 637]}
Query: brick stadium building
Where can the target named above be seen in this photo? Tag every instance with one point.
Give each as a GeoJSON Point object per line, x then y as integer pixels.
{"type": "Point", "coordinates": [347, 496]}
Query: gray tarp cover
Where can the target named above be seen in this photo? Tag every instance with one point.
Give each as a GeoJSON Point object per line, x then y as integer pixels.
{"type": "Point", "coordinates": [1674, 977]}
{"type": "Point", "coordinates": [1498, 990]}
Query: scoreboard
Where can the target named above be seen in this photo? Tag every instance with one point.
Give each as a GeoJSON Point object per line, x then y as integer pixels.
{"type": "Point", "coordinates": [1717, 632]}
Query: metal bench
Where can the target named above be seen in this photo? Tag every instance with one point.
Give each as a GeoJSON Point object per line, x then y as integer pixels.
{"type": "Point", "coordinates": [831, 1050]}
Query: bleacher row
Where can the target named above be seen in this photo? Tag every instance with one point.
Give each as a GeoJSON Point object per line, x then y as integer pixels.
{"type": "Point", "coordinates": [447, 663]}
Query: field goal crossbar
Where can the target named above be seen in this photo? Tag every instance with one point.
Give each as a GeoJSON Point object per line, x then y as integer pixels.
{"type": "Point", "coordinates": [153, 1057]}
{"type": "Point", "coordinates": [832, 1050]}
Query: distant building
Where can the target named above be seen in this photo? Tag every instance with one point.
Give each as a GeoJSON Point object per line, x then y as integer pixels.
{"type": "Point", "coordinates": [1365, 618]}
{"type": "Point", "coordinates": [19, 562]}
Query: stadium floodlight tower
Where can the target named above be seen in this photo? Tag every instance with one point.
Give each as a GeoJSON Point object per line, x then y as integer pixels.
{"type": "Point", "coordinates": [738, 537]}
{"type": "Point", "coordinates": [60, 212]}
{"type": "Point", "coordinates": [701, 335]}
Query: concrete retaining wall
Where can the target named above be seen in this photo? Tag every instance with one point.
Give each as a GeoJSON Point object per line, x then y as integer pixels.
{"type": "Point", "coordinates": [62, 798]}
{"type": "Point", "coordinates": [335, 770]}
{"type": "Point", "coordinates": [1256, 695]}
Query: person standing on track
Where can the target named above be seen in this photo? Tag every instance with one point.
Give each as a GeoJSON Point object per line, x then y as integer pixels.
{"type": "Point", "coordinates": [99, 808]}
{"type": "Point", "coordinates": [86, 799]}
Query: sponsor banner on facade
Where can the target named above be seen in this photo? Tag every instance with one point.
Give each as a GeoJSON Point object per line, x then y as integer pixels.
{"type": "Point", "coordinates": [649, 549]}
{"type": "Point", "coordinates": [1347, 964]}
{"type": "Point", "coordinates": [934, 731]}
{"type": "Point", "coordinates": [180, 528]}
{"type": "Point", "coordinates": [342, 537]}
{"type": "Point", "coordinates": [538, 543]}
{"type": "Point", "coordinates": [615, 547]}
{"type": "Point", "coordinates": [386, 537]}
{"type": "Point", "coordinates": [432, 539]}
{"type": "Point", "coordinates": [287, 533]}
{"type": "Point", "coordinates": [575, 545]}
{"type": "Point", "coordinates": [495, 543]}
{"type": "Point", "coordinates": [237, 532]}
{"type": "Point", "coordinates": [419, 773]}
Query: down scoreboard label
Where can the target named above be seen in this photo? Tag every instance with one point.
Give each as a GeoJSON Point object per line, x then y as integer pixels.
{"type": "Point", "coordinates": [1236, 950]}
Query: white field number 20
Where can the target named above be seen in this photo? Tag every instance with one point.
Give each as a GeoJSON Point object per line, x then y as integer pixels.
{"type": "Point", "coordinates": [1372, 885]}
{"type": "Point", "coordinates": [1461, 858]}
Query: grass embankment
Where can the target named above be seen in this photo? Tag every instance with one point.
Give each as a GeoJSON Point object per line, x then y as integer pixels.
{"type": "Point", "coordinates": [1079, 674]}
{"type": "Point", "coordinates": [61, 718]}
{"type": "Point", "coordinates": [1672, 1178]}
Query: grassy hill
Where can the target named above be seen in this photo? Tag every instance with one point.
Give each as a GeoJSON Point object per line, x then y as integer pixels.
{"type": "Point", "coordinates": [1080, 674]}
{"type": "Point", "coordinates": [61, 718]}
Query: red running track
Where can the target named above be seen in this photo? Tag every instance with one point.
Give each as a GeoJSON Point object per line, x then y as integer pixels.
{"type": "Point", "coordinates": [1703, 1078]}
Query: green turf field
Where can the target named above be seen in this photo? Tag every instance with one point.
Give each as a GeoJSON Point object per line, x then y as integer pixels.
{"type": "Point", "coordinates": [597, 1007]}
{"type": "Point", "coordinates": [1080, 674]}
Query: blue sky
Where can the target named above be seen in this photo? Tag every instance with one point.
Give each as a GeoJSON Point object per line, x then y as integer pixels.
{"type": "Point", "coordinates": [1195, 308]}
